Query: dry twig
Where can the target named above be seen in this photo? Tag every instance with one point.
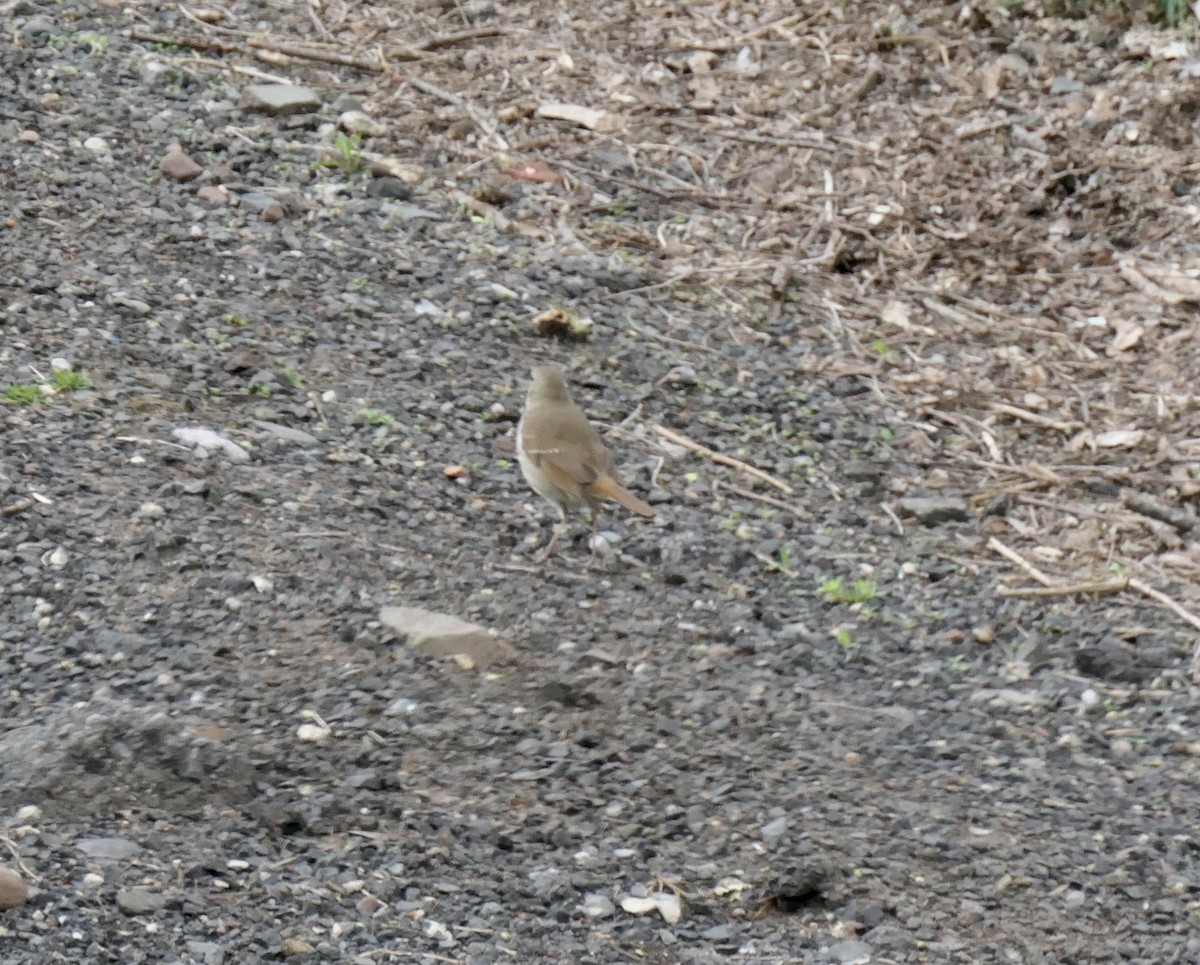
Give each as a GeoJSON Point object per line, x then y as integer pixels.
{"type": "Point", "coordinates": [769, 501]}
{"type": "Point", "coordinates": [1038, 420]}
{"type": "Point", "coordinates": [672, 436]}
{"type": "Point", "coordinates": [1052, 588]}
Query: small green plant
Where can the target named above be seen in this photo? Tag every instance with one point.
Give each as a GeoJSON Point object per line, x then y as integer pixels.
{"type": "Point", "coordinates": [97, 42]}
{"type": "Point", "coordinates": [842, 636]}
{"type": "Point", "coordinates": [785, 555]}
{"type": "Point", "coordinates": [349, 158]}
{"type": "Point", "coordinates": [835, 591]}
{"type": "Point", "coordinates": [262, 391]}
{"type": "Point", "coordinates": [960, 663]}
{"type": "Point", "coordinates": [376, 417]}
{"type": "Point", "coordinates": [294, 378]}
{"type": "Point", "coordinates": [234, 321]}
{"type": "Point", "coordinates": [23, 394]}
{"type": "Point", "coordinates": [69, 380]}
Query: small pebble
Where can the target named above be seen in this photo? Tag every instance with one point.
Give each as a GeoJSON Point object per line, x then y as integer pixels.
{"type": "Point", "coordinates": [29, 814]}
{"type": "Point", "coordinates": [312, 734]}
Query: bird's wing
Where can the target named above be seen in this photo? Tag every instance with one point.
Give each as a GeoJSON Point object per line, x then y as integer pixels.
{"type": "Point", "coordinates": [568, 468]}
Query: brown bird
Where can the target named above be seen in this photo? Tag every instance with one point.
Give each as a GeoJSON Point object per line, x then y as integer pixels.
{"type": "Point", "coordinates": [563, 457]}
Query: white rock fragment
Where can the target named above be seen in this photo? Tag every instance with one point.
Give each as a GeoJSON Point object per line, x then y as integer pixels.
{"type": "Point", "coordinates": [444, 635]}
{"type": "Point", "coordinates": [669, 906]}
{"type": "Point", "coordinates": [312, 733]}
{"type": "Point", "coordinates": [207, 442]}
{"type": "Point", "coordinates": [596, 905]}
{"type": "Point", "coordinates": [638, 906]}
{"type": "Point", "coordinates": [435, 929]}
{"type": "Point", "coordinates": [729, 885]}
{"type": "Point", "coordinates": [29, 814]}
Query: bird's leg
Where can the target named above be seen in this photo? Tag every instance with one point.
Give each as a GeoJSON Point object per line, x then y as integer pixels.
{"type": "Point", "coordinates": [593, 555]}
{"type": "Point", "coordinates": [557, 530]}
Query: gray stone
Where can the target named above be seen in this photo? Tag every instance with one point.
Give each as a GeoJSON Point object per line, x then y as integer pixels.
{"type": "Point", "coordinates": [209, 953]}
{"type": "Point", "coordinates": [596, 905]}
{"type": "Point", "coordinates": [851, 953]}
{"type": "Point", "coordinates": [279, 100]}
{"type": "Point", "coordinates": [932, 510]}
{"type": "Point", "coordinates": [443, 635]}
{"type": "Point", "coordinates": [177, 166]}
{"type": "Point", "coordinates": [773, 832]}
{"type": "Point", "coordinates": [287, 433]}
{"type": "Point", "coordinates": [108, 849]}
{"type": "Point", "coordinates": [140, 901]}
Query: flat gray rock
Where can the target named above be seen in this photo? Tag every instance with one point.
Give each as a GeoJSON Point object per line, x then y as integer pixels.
{"type": "Point", "coordinates": [279, 100]}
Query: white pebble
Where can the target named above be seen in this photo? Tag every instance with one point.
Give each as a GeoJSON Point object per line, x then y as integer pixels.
{"type": "Point", "coordinates": [312, 734]}
{"type": "Point", "coordinates": [638, 906]}
{"type": "Point", "coordinates": [29, 814]}
{"type": "Point", "coordinates": [669, 907]}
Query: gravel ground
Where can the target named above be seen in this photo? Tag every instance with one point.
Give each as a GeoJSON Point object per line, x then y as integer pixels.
{"type": "Point", "coordinates": [791, 729]}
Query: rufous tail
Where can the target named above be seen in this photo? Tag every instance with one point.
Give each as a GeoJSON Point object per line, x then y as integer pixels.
{"type": "Point", "coordinates": [609, 488]}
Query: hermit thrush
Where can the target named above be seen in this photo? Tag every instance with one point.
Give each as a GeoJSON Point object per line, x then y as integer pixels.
{"type": "Point", "coordinates": [562, 456]}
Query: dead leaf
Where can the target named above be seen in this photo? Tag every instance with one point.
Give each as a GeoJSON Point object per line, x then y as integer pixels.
{"type": "Point", "coordinates": [992, 75]}
{"type": "Point", "coordinates": [1128, 335]}
{"type": "Point", "coordinates": [896, 313]}
{"type": "Point", "coordinates": [1165, 283]}
{"type": "Point", "coordinates": [1120, 438]}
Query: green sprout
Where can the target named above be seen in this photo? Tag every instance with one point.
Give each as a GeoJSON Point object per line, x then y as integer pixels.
{"type": "Point", "coordinates": [376, 417]}
{"type": "Point", "coordinates": [835, 591]}
{"type": "Point", "coordinates": [23, 394]}
{"type": "Point", "coordinates": [349, 158]}
{"type": "Point", "coordinates": [69, 380]}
